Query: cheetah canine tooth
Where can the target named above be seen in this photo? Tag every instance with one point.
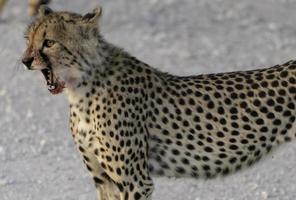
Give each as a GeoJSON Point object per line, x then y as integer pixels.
{"type": "Point", "coordinates": [51, 87]}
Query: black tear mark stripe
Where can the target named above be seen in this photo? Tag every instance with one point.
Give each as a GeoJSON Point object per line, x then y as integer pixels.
{"type": "Point", "coordinates": [45, 58]}
{"type": "Point", "coordinates": [67, 50]}
{"type": "Point", "coordinates": [74, 60]}
{"type": "Point", "coordinates": [44, 35]}
{"type": "Point", "coordinates": [83, 58]}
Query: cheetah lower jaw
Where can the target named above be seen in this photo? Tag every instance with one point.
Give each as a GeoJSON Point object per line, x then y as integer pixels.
{"type": "Point", "coordinates": [54, 85]}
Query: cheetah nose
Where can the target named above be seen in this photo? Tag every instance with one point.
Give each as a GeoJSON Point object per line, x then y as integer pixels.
{"type": "Point", "coordinates": [27, 61]}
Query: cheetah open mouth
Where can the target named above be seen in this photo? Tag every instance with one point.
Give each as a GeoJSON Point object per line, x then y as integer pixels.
{"type": "Point", "coordinates": [54, 85]}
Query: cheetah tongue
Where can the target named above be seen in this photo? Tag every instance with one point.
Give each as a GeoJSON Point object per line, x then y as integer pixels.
{"type": "Point", "coordinates": [53, 84]}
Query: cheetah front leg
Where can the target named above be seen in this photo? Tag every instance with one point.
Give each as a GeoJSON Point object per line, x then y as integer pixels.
{"type": "Point", "coordinates": [101, 194]}
{"type": "Point", "coordinates": [91, 162]}
{"type": "Point", "coordinates": [110, 186]}
{"type": "Point", "coordinates": [125, 173]}
{"type": "Point", "coordinates": [105, 190]}
{"type": "Point", "coordinates": [117, 159]}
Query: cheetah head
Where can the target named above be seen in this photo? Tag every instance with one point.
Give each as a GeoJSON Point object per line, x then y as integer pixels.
{"type": "Point", "coordinates": [59, 44]}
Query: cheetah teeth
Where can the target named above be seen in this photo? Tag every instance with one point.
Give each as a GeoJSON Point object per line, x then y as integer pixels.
{"type": "Point", "coordinates": [51, 87]}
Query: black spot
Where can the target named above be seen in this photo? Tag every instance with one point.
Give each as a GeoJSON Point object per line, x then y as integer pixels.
{"type": "Point", "coordinates": [277, 122]}
{"type": "Point", "coordinates": [208, 149]}
{"type": "Point", "coordinates": [118, 171]}
{"type": "Point", "coordinates": [98, 181]}
{"type": "Point", "coordinates": [284, 74]}
{"type": "Point", "coordinates": [221, 110]}
{"type": "Point", "coordinates": [175, 151]}
{"type": "Point", "coordinates": [180, 170]}
{"type": "Point", "coordinates": [278, 108]}
{"type": "Point", "coordinates": [232, 160]}
{"type": "Point", "coordinates": [220, 134]}
{"type": "Point", "coordinates": [211, 105]}
{"type": "Point", "coordinates": [252, 147]}
{"type": "Point", "coordinates": [175, 126]}
{"type": "Point", "coordinates": [137, 195]}
{"type": "Point", "coordinates": [81, 149]}
{"type": "Point", "coordinates": [244, 158]}
{"type": "Point", "coordinates": [220, 143]}
{"type": "Point", "coordinates": [257, 103]}
{"type": "Point", "coordinates": [233, 147]}
{"type": "Point", "coordinates": [262, 94]}
{"type": "Point", "coordinates": [270, 102]}
{"type": "Point", "coordinates": [209, 126]}
{"type": "Point", "coordinates": [190, 147]}
{"type": "Point", "coordinates": [185, 161]}
{"type": "Point", "coordinates": [250, 136]}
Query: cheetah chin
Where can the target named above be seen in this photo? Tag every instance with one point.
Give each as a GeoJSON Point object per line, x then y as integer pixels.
{"type": "Point", "coordinates": [55, 86]}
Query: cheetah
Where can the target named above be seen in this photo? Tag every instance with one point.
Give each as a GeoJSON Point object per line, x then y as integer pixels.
{"type": "Point", "coordinates": [131, 121]}
{"type": "Point", "coordinates": [33, 5]}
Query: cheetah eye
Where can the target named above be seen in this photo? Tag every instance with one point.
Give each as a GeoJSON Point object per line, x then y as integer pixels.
{"type": "Point", "coordinates": [48, 43]}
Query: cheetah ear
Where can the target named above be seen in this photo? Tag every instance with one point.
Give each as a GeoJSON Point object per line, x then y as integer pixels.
{"type": "Point", "coordinates": [92, 17]}
{"type": "Point", "coordinates": [44, 10]}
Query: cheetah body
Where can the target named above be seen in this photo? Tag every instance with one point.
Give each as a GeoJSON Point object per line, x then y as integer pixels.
{"type": "Point", "coordinates": [130, 121]}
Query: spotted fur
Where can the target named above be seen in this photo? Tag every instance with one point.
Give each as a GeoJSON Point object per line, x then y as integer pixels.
{"type": "Point", "coordinates": [130, 121]}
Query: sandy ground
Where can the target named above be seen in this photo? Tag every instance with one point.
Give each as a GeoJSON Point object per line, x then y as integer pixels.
{"type": "Point", "coordinates": [38, 159]}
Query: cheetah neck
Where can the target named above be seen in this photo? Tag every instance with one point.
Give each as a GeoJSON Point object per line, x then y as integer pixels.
{"type": "Point", "coordinates": [99, 58]}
